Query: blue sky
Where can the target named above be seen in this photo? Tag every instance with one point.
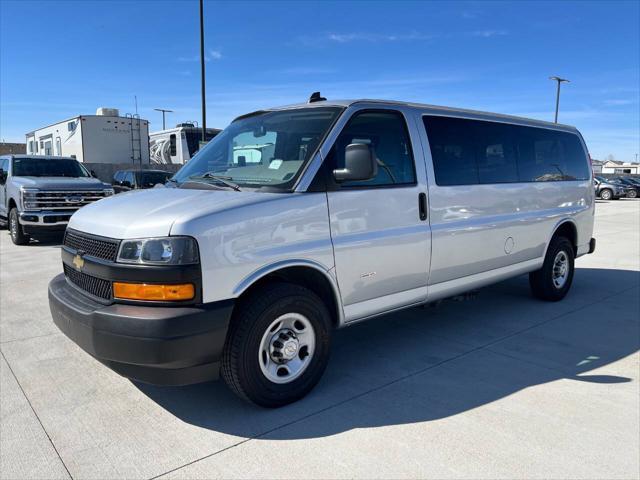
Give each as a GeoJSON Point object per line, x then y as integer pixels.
{"type": "Point", "coordinates": [59, 59]}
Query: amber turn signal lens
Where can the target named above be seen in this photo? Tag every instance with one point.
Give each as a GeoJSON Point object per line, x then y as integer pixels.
{"type": "Point", "coordinates": [147, 291]}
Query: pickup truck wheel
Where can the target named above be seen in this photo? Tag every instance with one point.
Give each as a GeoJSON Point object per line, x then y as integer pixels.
{"type": "Point", "coordinates": [606, 194]}
{"type": "Point", "coordinates": [18, 237]}
{"type": "Point", "coordinates": [553, 280]}
{"type": "Point", "coordinates": [278, 345]}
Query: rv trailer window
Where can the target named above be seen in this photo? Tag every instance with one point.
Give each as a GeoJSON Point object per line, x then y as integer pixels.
{"type": "Point", "coordinates": [172, 145]}
{"type": "Point", "coordinates": [71, 126]}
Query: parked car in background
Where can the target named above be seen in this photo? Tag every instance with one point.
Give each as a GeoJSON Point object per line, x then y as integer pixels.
{"type": "Point", "coordinates": [608, 189]}
{"type": "Point", "coordinates": [38, 194]}
{"type": "Point", "coordinates": [357, 209]}
{"type": "Point", "coordinates": [633, 186]}
{"type": "Point", "coordinates": [125, 180]}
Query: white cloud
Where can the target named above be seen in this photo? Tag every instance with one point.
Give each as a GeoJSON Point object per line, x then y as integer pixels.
{"type": "Point", "coordinates": [376, 37]}
{"type": "Point", "coordinates": [616, 102]}
{"type": "Point", "coordinates": [489, 33]}
{"type": "Point", "coordinates": [208, 56]}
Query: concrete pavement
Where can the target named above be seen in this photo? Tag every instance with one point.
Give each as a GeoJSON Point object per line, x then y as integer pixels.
{"type": "Point", "coordinates": [501, 386]}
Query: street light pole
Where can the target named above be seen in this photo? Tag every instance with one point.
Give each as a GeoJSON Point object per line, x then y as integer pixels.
{"type": "Point", "coordinates": [163, 112]}
{"type": "Point", "coordinates": [559, 80]}
{"type": "Point", "coordinates": [204, 105]}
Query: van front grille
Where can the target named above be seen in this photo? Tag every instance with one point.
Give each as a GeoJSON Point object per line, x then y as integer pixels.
{"type": "Point", "coordinates": [99, 247]}
{"type": "Point", "coordinates": [95, 286]}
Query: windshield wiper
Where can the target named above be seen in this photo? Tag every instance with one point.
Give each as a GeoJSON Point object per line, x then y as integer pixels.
{"type": "Point", "coordinates": [226, 181]}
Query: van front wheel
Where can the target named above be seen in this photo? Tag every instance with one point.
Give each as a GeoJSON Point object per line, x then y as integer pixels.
{"type": "Point", "coordinates": [553, 280]}
{"type": "Point", "coordinates": [278, 345]}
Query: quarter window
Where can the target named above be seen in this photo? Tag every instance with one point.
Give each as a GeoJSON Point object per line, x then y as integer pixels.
{"type": "Point", "coordinates": [387, 134]}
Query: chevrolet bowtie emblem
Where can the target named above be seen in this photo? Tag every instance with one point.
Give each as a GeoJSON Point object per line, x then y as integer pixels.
{"type": "Point", "coordinates": [78, 261]}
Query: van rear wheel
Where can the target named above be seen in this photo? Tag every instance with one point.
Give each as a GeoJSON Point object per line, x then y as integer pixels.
{"type": "Point", "coordinates": [553, 280]}
{"type": "Point", "coordinates": [277, 346]}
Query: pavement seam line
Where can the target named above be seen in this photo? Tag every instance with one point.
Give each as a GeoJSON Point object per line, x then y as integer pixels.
{"type": "Point", "coordinates": [36, 415]}
{"type": "Point", "coordinates": [6, 342]}
{"type": "Point", "coordinates": [397, 380]}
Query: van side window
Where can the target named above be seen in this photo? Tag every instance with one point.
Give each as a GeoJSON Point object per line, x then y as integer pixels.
{"type": "Point", "coordinates": [547, 155]}
{"type": "Point", "coordinates": [453, 150]}
{"type": "Point", "coordinates": [496, 154]}
{"type": "Point", "coordinates": [387, 133]}
{"type": "Point", "coordinates": [468, 152]}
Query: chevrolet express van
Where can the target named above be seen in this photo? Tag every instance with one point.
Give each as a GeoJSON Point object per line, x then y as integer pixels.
{"type": "Point", "coordinates": [298, 220]}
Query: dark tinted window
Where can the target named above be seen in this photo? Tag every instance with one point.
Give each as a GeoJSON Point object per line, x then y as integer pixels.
{"type": "Point", "coordinates": [128, 179]}
{"type": "Point", "coordinates": [453, 150]}
{"type": "Point", "coordinates": [467, 152]}
{"type": "Point", "coordinates": [47, 167]}
{"type": "Point", "coordinates": [386, 132]}
{"type": "Point", "coordinates": [496, 152]}
{"type": "Point", "coordinates": [151, 179]}
{"type": "Point", "coordinates": [548, 155]}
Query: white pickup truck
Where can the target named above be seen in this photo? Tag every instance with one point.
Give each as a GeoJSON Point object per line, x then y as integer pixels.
{"type": "Point", "coordinates": [358, 208]}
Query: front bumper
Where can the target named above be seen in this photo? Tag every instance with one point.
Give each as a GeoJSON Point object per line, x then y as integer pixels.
{"type": "Point", "coordinates": [43, 221]}
{"type": "Point", "coordinates": [152, 344]}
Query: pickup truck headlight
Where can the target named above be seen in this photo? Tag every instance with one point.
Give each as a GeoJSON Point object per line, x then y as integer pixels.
{"type": "Point", "coordinates": [159, 251]}
{"type": "Point", "coordinates": [29, 198]}
{"type": "Point", "coordinates": [108, 192]}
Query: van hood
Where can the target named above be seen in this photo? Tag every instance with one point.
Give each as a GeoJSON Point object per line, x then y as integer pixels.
{"type": "Point", "coordinates": [60, 183]}
{"type": "Point", "coordinates": [152, 212]}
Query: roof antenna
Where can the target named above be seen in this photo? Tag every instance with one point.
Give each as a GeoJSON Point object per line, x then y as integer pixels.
{"type": "Point", "coordinates": [315, 97]}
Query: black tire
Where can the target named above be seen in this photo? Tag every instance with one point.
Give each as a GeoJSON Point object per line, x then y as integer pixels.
{"type": "Point", "coordinates": [632, 194]}
{"type": "Point", "coordinates": [241, 368]}
{"type": "Point", "coordinates": [18, 236]}
{"type": "Point", "coordinates": [542, 281]}
{"type": "Point", "coordinates": [606, 194]}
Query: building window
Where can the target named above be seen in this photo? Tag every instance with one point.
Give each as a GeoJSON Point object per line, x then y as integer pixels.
{"type": "Point", "coordinates": [71, 126]}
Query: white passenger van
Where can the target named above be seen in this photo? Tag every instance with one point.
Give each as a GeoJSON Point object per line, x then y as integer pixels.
{"type": "Point", "coordinates": [357, 209]}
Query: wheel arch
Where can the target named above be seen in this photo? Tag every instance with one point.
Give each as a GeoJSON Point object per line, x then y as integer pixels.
{"type": "Point", "coordinates": [306, 273]}
{"type": "Point", "coordinates": [566, 228]}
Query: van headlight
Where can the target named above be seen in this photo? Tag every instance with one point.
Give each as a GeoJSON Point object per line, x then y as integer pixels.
{"type": "Point", "coordinates": [159, 251]}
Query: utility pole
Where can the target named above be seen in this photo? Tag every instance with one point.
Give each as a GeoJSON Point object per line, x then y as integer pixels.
{"type": "Point", "coordinates": [204, 104]}
{"type": "Point", "coordinates": [559, 80]}
{"type": "Point", "coordinates": [163, 112]}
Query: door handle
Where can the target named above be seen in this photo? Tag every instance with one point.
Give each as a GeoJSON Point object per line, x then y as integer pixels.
{"type": "Point", "coordinates": [422, 204]}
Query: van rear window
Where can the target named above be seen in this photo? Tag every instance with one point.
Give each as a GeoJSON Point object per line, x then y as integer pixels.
{"type": "Point", "coordinates": [468, 152]}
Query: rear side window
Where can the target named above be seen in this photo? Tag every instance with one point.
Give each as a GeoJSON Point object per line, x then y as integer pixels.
{"type": "Point", "coordinates": [468, 152]}
{"type": "Point", "coordinates": [387, 133]}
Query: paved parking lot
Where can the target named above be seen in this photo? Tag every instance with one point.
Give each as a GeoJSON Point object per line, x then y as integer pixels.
{"type": "Point", "coordinates": [500, 386]}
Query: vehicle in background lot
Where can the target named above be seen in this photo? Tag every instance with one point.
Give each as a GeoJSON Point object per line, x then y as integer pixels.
{"type": "Point", "coordinates": [105, 137]}
{"type": "Point", "coordinates": [608, 189]}
{"type": "Point", "coordinates": [39, 194]}
{"type": "Point", "coordinates": [357, 209]}
{"type": "Point", "coordinates": [125, 180]}
{"type": "Point", "coordinates": [177, 145]}
{"type": "Point", "coordinates": [633, 186]}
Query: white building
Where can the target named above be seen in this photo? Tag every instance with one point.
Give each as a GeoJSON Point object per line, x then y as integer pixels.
{"type": "Point", "coordinates": [105, 137]}
{"type": "Point", "coordinates": [612, 166]}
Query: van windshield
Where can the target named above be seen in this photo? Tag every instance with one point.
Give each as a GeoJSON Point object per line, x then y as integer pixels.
{"type": "Point", "coordinates": [47, 167]}
{"type": "Point", "coordinates": [267, 149]}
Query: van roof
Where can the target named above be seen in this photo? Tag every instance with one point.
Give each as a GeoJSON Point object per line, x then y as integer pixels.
{"type": "Point", "coordinates": [436, 109]}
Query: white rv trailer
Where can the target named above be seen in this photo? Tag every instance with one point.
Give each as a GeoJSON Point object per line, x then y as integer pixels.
{"type": "Point", "coordinates": [105, 137]}
{"type": "Point", "coordinates": [177, 145]}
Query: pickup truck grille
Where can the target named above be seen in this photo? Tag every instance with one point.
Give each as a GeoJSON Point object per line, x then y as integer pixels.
{"type": "Point", "coordinates": [60, 199]}
{"type": "Point", "coordinates": [95, 286]}
{"type": "Point", "coordinates": [99, 247]}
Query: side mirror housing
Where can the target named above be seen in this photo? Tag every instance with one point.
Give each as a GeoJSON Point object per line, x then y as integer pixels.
{"type": "Point", "coordinates": [359, 164]}
{"type": "Point", "coordinates": [93, 174]}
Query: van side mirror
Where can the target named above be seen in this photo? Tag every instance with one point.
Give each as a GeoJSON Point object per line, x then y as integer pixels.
{"type": "Point", "coordinates": [359, 164]}
{"type": "Point", "coordinates": [3, 177]}
{"type": "Point", "coordinates": [93, 174]}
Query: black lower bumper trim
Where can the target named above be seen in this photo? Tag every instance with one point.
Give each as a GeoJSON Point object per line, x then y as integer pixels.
{"type": "Point", "coordinates": [159, 345]}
